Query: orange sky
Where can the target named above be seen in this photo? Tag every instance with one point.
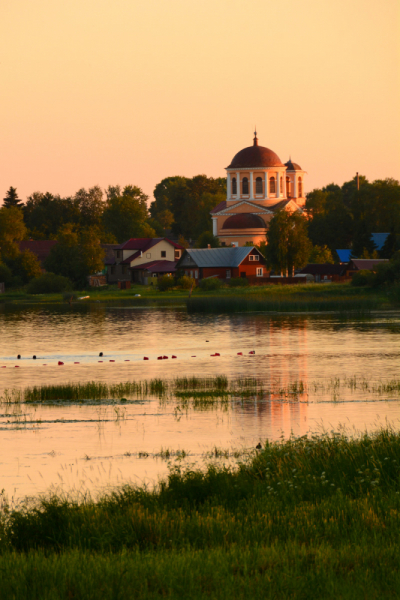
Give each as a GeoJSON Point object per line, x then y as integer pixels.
{"type": "Point", "coordinates": [132, 91]}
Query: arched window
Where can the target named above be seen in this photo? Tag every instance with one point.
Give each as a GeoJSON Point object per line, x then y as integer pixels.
{"type": "Point", "coordinates": [234, 188]}
{"type": "Point", "coordinates": [272, 188]}
{"type": "Point", "coordinates": [245, 185]}
{"type": "Point", "coordinates": [288, 190]}
{"type": "Point", "coordinates": [300, 188]}
{"type": "Point", "coordinates": [259, 185]}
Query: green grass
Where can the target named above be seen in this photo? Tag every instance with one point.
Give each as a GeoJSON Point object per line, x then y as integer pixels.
{"type": "Point", "coordinates": [305, 518]}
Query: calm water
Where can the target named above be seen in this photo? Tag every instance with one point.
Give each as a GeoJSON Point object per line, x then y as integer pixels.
{"type": "Point", "coordinates": [90, 447]}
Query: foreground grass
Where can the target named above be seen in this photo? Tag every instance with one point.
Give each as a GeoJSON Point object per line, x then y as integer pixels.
{"type": "Point", "coordinates": [306, 518]}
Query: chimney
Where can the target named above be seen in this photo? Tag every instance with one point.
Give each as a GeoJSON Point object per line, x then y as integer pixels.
{"type": "Point", "coordinates": [208, 245]}
{"type": "Point", "coordinates": [358, 181]}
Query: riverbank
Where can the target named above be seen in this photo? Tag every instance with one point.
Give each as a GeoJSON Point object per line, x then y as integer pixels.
{"type": "Point", "coordinates": [304, 518]}
{"type": "Point", "coordinates": [310, 297]}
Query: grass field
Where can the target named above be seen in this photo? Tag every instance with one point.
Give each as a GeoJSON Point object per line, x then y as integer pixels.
{"type": "Point", "coordinates": [311, 297]}
{"type": "Point", "coordinates": [305, 518]}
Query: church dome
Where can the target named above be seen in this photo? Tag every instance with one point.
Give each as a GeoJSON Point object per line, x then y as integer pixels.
{"type": "Point", "coordinates": [244, 221]}
{"type": "Point", "coordinates": [291, 166]}
{"type": "Point", "coordinates": [255, 156]}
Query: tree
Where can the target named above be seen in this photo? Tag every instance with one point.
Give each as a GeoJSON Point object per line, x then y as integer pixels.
{"type": "Point", "coordinates": [288, 245]}
{"type": "Point", "coordinates": [77, 255]}
{"type": "Point", "coordinates": [12, 199]}
{"type": "Point", "coordinates": [12, 231]}
{"type": "Point", "coordinates": [126, 213]}
{"type": "Point", "coordinates": [45, 214]}
{"type": "Point", "coordinates": [391, 245]}
{"type": "Point", "coordinates": [363, 244]}
{"type": "Point", "coordinates": [320, 255]}
{"type": "Point", "coordinates": [25, 265]}
{"type": "Point", "coordinates": [91, 206]}
{"type": "Point", "coordinates": [207, 239]}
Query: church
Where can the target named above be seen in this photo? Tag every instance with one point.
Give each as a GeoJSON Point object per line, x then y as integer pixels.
{"type": "Point", "coordinates": [258, 185]}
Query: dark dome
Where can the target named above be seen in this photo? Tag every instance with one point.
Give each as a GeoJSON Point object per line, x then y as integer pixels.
{"type": "Point", "coordinates": [244, 221]}
{"type": "Point", "coordinates": [255, 156]}
{"type": "Point", "coordinates": [291, 166]}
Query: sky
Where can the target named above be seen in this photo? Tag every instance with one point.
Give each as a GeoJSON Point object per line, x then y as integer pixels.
{"type": "Point", "coordinates": [106, 92]}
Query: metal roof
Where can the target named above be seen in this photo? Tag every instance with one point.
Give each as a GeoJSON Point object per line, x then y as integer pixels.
{"type": "Point", "coordinates": [217, 257]}
{"type": "Point", "coordinates": [344, 255]}
{"type": "Point", "coordinates": [379, 239]}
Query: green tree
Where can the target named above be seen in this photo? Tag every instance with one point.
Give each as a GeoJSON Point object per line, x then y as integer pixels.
{"type": "Point", "coordinates": [77, 254]}
{"type": "Point", "coordinates": [25, 265]}
{"type": "Point", "coordinates": [288, 245]}
{"type": "Point", "coordinates": [12, 199]}
{"type": "Point", "coordinates": [45, 214]}
{"type": "Point", "coordinates": [207, 239]}
{"type": "Point", "coordinates": [91, 206]}
{"type": "Point", "coordinates": [320, 255]}
{"type": "Point", "coordinates": [12, 231]}
{"type": "Point", "coordinates": [391, 245]}
{"type": "Point", "coordinates": [125, 215]}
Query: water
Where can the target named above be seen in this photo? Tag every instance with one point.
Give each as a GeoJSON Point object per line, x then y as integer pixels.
{"type": "Point", "coordinates": [92, 447]}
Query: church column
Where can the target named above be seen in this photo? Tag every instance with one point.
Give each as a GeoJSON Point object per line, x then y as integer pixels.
{"type": "Point", "coordinates": [251, 186]}
{"type": "Point", "coordinates": [228, 186]}
{"type": "Point", "coordinates": [215, 226]}
{"type": "Point", "coordinates": [238, 184]}
{"type": "Point", "coordinates": [277, 184]}
{"type": "Point", "coordinates": [295, 186]}
{"type": "Point", "coordinates": [284, 191]}
{"type": "Point", "coordinates": [266, 185]}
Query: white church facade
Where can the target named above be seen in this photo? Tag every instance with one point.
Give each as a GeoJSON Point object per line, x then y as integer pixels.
{"type": "Point", "coordinates": [258, 185]}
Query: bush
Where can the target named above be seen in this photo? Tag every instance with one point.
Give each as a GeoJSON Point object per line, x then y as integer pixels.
{"type": "Point", "coordinates": [186, 282]}
{"type": "Point", "coordinates": [5, 273]}
{"type": "Point", "coordinates": [165, 283]}
{"type": "Point", "coordinates": [363, 277]}
{"type": "Point", "coordinates": [210, 284]}
{"type": "Point", "coordinates": [238, 282]}
{"type": "Point", "coordinates": [49, 283]}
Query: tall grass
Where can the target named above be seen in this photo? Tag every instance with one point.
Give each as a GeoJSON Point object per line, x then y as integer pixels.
{"type": "Point", "coordinates": [283, 303]}
{"type": "Point", "coordinates": [303, 518]}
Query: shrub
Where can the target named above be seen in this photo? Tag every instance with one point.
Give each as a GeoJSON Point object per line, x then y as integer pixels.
{"type": "Point", "coordinates": [165, 283]}
{"type": "Point", "coordinates": [363, 277]}
{"type": "Point", "coordinates": [186, 282]}
{"type": "Point", "coordinates": [5, 273]}
{"type": "Point", "coordinates": [238, 282]}
{"type": "Point", "coordinates": [49, 283]}
{"type": "Point", "coordinates": [210, 284]}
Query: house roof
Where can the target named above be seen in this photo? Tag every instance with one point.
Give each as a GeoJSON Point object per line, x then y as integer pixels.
{"type": "Point", "coordinates": [218, 257]}
{"type": "Point", "coordinates": [145, 243]}
{"type": "Point", "coordinates": [344, 255]}
{"type": "Point", "coordinates": [323, 269]}
{"type": "Point", "coordinates": [157, 266]}
{"type": "Point", "coordinates": [41, 248]}
{"type": "Point", "coordinates": [366, 263]}
{"type": "Point", "coordinates": [379, 239]}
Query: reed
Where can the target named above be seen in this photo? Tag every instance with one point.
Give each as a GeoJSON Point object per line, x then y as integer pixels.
{"type": "Point", "coordinates": [319, 514]}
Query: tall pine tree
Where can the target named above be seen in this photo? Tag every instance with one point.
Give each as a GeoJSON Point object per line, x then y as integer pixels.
{"type": "Point", "coordinates": [12, 199]}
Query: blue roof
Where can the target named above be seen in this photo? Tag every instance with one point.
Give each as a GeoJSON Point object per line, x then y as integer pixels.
{"type": "Point", "coordinates": [344, 255]}
{"type": "Point", "coordinates": [379, 239]}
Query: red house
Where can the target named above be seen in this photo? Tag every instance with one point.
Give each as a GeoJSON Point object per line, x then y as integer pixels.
{"type": "Point", "coordinates": [224, 263]}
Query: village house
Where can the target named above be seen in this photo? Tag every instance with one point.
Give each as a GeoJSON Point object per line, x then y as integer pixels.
{"type": "Point", "coordinates": [363, 264]}
{"type": "Point", "coordinates": [224, 263]}
{"type": "Point", "coordinates": [141, 259]}
{"type": "Point", "coordinates": [325, 272]}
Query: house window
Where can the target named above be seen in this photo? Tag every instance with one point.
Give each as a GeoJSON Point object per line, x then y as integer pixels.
{"type": "Point", "coordinates": [177, 254]}
{"type": "Point", "coordinates": [223, 243]}
{"type": "Point", "coordinates": [148, 254]}
{"type": "Point", "coordinates": [272, 189]}
{"type": "Point", "coordinates": [234, 188]}
{"type": "Point", "coordinates": [288, 192]}
{"type": "Point", "coordinates": [251, 257]}
{"type": "Point", "coordinates": [256, 257]}
{"type": "Point", "coordinates": [118, 253]}
{"type": "Point", "coordinates": [228, 273]}
{"type": "Point", "coordinates": [300, 188]}
{"type": "Point", "coordinates": [245, 185]}
{"type": "Point", "coordinates": [259, 271]}
{"type": "Point", "coordinates": [124, 268]}
{"type": "Point", "coordinates": [259, 185]}
{"type": "Point", "coordinates": [112, 270]}
{"type": "Point", "coordinates": [163, 253]}
{"type": "Point", "coordinates": [196, 274]}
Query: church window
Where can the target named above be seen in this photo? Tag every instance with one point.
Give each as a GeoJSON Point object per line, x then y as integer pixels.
{"type": "Point", "coordinates": [288, 191]}
{"type": "Point", "coordinates": [300, 188]}
{"type": "Point", "coordinates": [245, 185]}
{"type": "Point", "coordinates": [234, 189]}
{"type": "Point", "coordinates": [272, 189]}
{"type": "Point", "coordinates": [259, 185]}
